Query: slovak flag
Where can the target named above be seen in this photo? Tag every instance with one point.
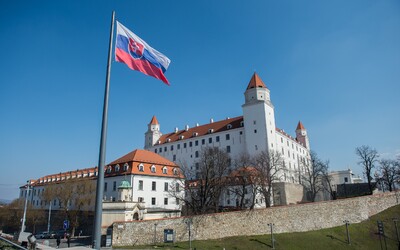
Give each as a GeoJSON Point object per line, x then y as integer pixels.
{"type": "Point", "coordinates": [138, 55]}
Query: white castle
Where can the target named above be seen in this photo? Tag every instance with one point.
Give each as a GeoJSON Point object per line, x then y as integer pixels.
{"type": "Point", "coordinates": [251, 133]}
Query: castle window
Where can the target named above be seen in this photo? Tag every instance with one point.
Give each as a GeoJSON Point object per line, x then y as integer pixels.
{"type": "Point", "coordinates": [254, 122]}
{"type": "Point", "coordinates": [196, 143]}
{"type": "Point", "coordinates": [105, 186]}
{"type": "Point", "coordinates": [179, 146]}
{"type": "Point", "coordinates": [126, 167]}
{"type": "Point", "coordinates": [217, 138]}
{"type": "Point", "coordinates": [184, 145]}
{"type": "Point", "coordinates": [256, 147]}
{"type": "Point", "coordinates": [174, 158]}
{"type": "Point", "coordinates": [203, 141]}
{"type": "Point", "coordinates": [210, 140]}
{"type": "Point", "coordinates": [140, 187]}
{"type": "Point", "coordinates": [241, 124]}
{"type": "Point", "coordinates": [229, 126]}
{"type": "Point", "coordinates": [228, 149]}
{"type": "Point", "coordinates": [227, 137]}
{"type": "Point", "coordinates": [114, 185]}
{"type": "Point", "coordinates": [155, 151]}
{"type": "Point", "coordinates": [165, 149]}
{"type": "Point", "coordinates": [255, 131]}
{"type": "Point", "coordinates": [190, 144]}
{"type": "Point", "coordinates": [281, 140]}
{"type": "Point", "coordinates": [165, 201]}
{"type": "Point", "coordinates": [160, 150]}
{"type": "Point", "coordinates": [177, 187]}
{"type": "Point", "coordinates": [210, 130]}
{"type": "Point", "coordinates": [117, 168]}
{"type": "Point", "coordinates": [153, 169]}
{"type": "Point", "coordinates": [175, 171]}
{"type": "Point", "coordinates": [109, 170]}
{"type": "Point", "coordinates": [172, 147]}
{"type": "Point", "coordinates": [164, 170]}
{"type": "Point", "coordinates": [197, 154]}
{"type": "Point", "coordinates": [141, 167]}
{"type": "Point", "coordinates": [166, 186]}
{"type": "Point", "coordinates": [153, 186]}
{"type": "Point", "coordinates": [153, 200]}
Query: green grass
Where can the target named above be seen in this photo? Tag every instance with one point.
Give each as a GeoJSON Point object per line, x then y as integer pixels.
{"type": "Point", "coordinates": [362, 235]}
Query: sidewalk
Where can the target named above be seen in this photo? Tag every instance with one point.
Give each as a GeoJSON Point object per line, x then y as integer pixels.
{"type": "Point", "coordinates": [44, 247]}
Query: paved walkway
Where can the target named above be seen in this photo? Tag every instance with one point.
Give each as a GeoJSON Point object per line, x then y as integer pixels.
{"type": "Point", "coordinates": [44, 247]}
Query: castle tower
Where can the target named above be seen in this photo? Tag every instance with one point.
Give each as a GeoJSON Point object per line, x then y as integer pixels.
{"type": "Point", "coordinates": [301, 135]}
{"type": "Point", "coordinates": [259, 117]}
{"type": "Point", "coordinates": [153, 133]}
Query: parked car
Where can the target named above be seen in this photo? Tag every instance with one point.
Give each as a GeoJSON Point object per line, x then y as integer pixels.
{"type": "Point", "coordinates": [43, 235]}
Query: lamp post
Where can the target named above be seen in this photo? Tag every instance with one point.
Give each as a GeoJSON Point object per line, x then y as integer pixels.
{"type": "Point", "coordinates": [189, 223]}
{"type": "Point", "coordinates": [347, 231]}
{"type": "Point", "coordinates": [272, 234]}
{"type": "Point", "coordinates": [395, 220]}
{"type": "Point", "coordinates": [26, 204]}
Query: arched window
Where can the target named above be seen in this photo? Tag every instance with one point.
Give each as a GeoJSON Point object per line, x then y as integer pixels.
{"type": "Point", "coordinates": [117, 168]}
{"type": "Point", "coordinates": [229, 126]}
{"type": "Point", "coordinates": [153, 169]}
{"type": "Point", "coordinates": [126, 167]}
{"type": "Point", "coordinates": [141, 167]}
{"type": "Point", "coordinates": [164, 170]}
{"type": "Point", "coordinates": [175, 171]}
{"type": "Point", "coordinates": [109, 169]}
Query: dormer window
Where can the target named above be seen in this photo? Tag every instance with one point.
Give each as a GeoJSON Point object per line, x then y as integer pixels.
{"type": "Point", "coordinates": [164, 170]}
{"type": "Point", "coordinates": [181, 137]}
{"type": "Point", "coordinates": [175, 171]}
{"type": "Point", "coordinates": [126, 167]}
{"type": "Point", "coordinates": [153, 169]}
{"type": "Point", "coordinates": [210, 130]}
{"type": "Point", "coordinates": [117, 168]}
{"type": "Point", "coordinates": [109, 169]}
{"type": "Point", "coordinates": [141, 167]}
{"type": "Point", "coordinates": [169, 139]}
{"type": "Point", "coordinates": [195, 134]}
{"type": "Point", "coordinates": [241, 124]}
{"type": "Point", "coordinates": [229, 126]}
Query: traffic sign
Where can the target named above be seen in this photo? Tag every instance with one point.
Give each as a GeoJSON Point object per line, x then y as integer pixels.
{"type": "Point", "coordinates": [66, 224]}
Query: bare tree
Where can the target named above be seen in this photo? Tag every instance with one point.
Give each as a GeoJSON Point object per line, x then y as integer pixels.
{"type": "Point", "coordinates": [368, 157]}
{"type": "Point", "coordinates": [389, 174]}
{"type": "Point", "coordinates": [242, 181]}
{"type": "Point", "coordinates": [203, 193]}
{"type": "Point", "coordinates": [327, 182]}
{"type": "Point", "coordinates": [314, 169]}
{"type": "Point", "coordinates": [269, 165]}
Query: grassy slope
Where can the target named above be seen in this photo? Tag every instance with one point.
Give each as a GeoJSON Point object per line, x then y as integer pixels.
{"type": "Point", "coordinates": [363, 236]}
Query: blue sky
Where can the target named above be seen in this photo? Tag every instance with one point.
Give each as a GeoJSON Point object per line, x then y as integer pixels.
{"type": "Point", "coordinates": [334, 65]}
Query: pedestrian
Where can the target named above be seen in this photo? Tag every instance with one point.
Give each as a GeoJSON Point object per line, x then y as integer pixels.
{"type": "Point", "coordinates": [68, 239]}
{"type": "Point", "coordinates": [58, 241]}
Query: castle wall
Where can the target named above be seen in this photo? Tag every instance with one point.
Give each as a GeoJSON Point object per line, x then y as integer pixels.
{"type": "Point", "coordinates": [293, 218]}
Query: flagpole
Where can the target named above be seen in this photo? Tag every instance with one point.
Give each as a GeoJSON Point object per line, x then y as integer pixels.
{"type": "Point", "coordinates": [102, 154]}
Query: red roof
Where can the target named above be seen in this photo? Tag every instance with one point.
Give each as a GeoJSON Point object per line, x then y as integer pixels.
{"type": "Point", "coordinates": [300, 126]}
{"type": "Point", "coordinates": [214, 127]}
{"type": "Point", "coordinates": [143, 156]}
{"type": "Point", "coordinates": [256, 82]}
{"type": "Point", "coordinates": [154, 121]}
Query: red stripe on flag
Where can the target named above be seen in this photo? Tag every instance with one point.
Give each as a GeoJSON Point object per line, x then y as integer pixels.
{"type": "Point", "coordinates": [143, 66]}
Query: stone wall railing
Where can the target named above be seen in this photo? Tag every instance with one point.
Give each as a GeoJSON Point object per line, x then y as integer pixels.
{"type": "Point", "coordinates": [292, 218]}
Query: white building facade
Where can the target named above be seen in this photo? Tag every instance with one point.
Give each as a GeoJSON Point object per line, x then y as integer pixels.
{"type": "Point", "coordinates": [251, 133]}
{"type": "Point", "coordinates": [151, 180]}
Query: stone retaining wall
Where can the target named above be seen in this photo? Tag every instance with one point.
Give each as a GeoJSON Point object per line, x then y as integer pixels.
{"type": "Point", "coordinates": [292, 218]}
